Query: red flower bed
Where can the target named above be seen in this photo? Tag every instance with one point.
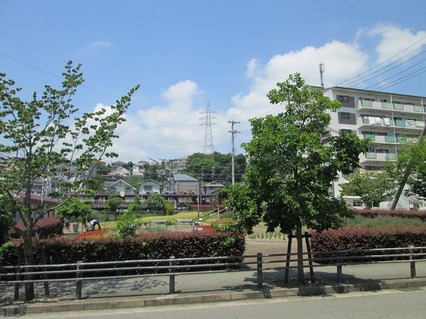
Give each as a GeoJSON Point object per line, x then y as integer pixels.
{"type": "Point", "coordinates": [95, 234]}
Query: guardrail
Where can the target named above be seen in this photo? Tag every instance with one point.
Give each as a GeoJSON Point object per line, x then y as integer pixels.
{"type": "Point", "coordinates": [81, 272]}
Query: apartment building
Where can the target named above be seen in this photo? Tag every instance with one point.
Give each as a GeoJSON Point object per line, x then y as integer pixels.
{"type": "Point", "coordinates": [387, 119]}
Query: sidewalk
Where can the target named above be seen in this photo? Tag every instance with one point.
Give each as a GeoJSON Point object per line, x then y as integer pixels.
{"type": "Point", "coordinates": [214, 287]}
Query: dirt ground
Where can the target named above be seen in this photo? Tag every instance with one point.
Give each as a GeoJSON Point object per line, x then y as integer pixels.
{"type": "Point", "coordinates": [273, 252]}
{"type": "Point", "coordinates": [268, 246]}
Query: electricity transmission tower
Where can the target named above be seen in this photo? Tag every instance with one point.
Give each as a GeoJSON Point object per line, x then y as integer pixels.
{"type": "Point", "coordinates": [206, 119]}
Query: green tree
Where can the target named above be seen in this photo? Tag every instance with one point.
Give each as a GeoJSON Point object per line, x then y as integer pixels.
{"type": "Point", "coordinates": [95, 184]}
{"type": "Point", "coordinates": [113, 205]}
{"type": "Point", "coordinates": [290, 169]}
{"type": "Point", "coordinates": [410, 168]}
{"type": "Point", "coordinates": [47, 137]}
{"type": "Point", "coordinates": [155, 202]}
{"type": "Point", "coordinates": [216, 166]}
{"type": "Point", "coordinates": [151, 171]}
{"type": "Point", "coordinates": [135, 181]}
{"type": "Point", "coordinates": [242, 200]}
{"type": "Point", "coordinates": [372, 187]}
{"type": "Point", "coordinates": [199, 164]}
{"type": "Point", "coordinates": [75, 210]}
{"type": "Point", "coordinates": [127, 224]}
{"type": "Point", "coordinates": [135, 205]}
{"type": "Point", "coordinates": [6, 218]}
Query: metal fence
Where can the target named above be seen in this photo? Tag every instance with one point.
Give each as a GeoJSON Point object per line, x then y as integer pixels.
{"type": "Point", "coordinates": [80, 272]}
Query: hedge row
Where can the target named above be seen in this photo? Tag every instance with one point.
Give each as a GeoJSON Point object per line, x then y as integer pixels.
{"type": "Point", "coordinates": [146, 246]}
{"type": "Point", "coordinates": [366, 238]}
{"type": "Point", "coordinates": [372, 213]}
{"type": "Point", "coordinates": [44, 228]}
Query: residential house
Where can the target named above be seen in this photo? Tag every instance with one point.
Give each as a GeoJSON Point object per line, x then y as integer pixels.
{"type": "Point", "coordinates": [121, 188]}
{"type": "Point", "coordinates": [212, 188]}
{"type": "Point", "coordinates": [181, 184]}
{"type": "Point", "coordinates": [138, 168]}
{"type": "Point", "coordinates": [149, 187]}
{"type": "Point", "coordinates": [120, 171]}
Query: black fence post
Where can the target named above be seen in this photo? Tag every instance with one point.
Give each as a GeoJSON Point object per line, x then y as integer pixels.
{"type": "Point", "coordinates": [78, 282]}
{"type": "Point", "coordinates": [46, 283]}
{"type": "Point", "coordinates": [339, 272]}
{"type": "Point", "coordinates": [412, 263]}
{"type": "Point", "coordinates": [171, 276]}
{"type": "Point", "coordinates": [259, 262]}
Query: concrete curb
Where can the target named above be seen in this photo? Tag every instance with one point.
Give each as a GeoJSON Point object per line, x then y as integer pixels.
{"type": "Point", "coordinates": [177, 299]}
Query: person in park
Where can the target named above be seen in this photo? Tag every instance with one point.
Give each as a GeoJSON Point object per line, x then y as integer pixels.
{"type": "Point", "coordinates": [93, 223]}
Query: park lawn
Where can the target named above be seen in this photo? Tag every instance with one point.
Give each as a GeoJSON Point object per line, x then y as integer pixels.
{"type": "Point", "coordinates": [171, 218]}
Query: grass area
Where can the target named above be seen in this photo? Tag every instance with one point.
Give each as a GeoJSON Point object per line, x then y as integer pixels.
{"type": "Point", "coordinates": [259, 231]}
{"type": "Point", "coordinates": [172, 218]}
{"type": "Point", "coordinates": [207, 216]}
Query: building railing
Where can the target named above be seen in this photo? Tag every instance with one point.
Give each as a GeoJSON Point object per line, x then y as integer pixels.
{"type": "Point", "coordinates": [391, 106]}
{"type": "Point", "coordinates": [81, 272]}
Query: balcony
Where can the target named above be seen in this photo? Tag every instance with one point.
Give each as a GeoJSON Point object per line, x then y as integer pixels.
{"type": "Point", "coordinates": [390, 139]}
{"type": "Point", "coordinates": [385, 123]}
{"type": "Point", "coordinates": [380, 138]}
{"type": "Point", "coordinates": [406, 108]}
{"type": "Point", "coordinates": [371, 157]}
{"type": "Point", "coordinates": [390, 156]}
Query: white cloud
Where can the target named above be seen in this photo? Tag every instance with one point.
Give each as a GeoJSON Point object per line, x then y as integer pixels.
{"type": "Point", "coordinates": [99, 44]}
{"type": "Point", "coordinates": [173, 129]}
{"type": "Point", "coordinates": [336, 56]}
{"type": "Point", "coordinates": [396, 43]}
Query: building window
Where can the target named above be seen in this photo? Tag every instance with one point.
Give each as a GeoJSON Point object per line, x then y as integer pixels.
{"type": "Point", "coordinates": [357, 203]}
{"type": "Point", "coordinates": [346, 101]}
{"type": "Point", "coordinates": [346, 118]}
{"type": "Point", "coordinates": [347, 131]}
{"type": "Point", "coordinates": [343, 98]}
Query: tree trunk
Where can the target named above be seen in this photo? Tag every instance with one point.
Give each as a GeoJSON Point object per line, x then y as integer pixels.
{"type": "Point", "coordinates": [300, 269]}
{"type": "Point", "coordinates": [29, 260]}
{"type": "Point", "coordinates": [405, 176]}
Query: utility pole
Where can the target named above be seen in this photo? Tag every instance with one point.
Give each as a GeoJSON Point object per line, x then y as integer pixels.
{"type": "Point", "coordinates": [233, 132]}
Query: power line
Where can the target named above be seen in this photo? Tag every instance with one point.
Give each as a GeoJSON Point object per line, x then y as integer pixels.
{"type": "Point", "coordinates": [405, 78]}
{"type": "Point", "coordinates": [57, 59]}
{"type": "Point", "coordinates": [366, 74]}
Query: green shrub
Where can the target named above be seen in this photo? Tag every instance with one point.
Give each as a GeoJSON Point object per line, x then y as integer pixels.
{"type": "Point", "coordinates": [366, 238]}
{"type": "Point", "coordinates": [5, 252]}
{"type": "Point", "coordinates": [205, 243]}
{"type": "Point", "coordinates": [127, 224]}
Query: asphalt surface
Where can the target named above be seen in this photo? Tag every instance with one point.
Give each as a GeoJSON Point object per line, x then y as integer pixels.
{"type": "Point", "coordinates": [214, 287]}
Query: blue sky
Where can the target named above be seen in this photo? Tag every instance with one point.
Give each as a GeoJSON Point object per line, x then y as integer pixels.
{"type": "Point", "coordinates": [188, 54]}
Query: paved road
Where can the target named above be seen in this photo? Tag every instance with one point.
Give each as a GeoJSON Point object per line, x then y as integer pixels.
{"type": "Point", "coordinates": [387, 304]}
{"type": "Point", "coordinates": [218, 287]}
